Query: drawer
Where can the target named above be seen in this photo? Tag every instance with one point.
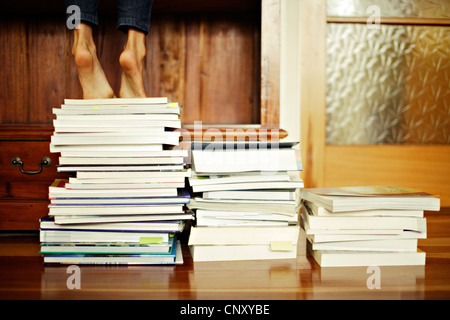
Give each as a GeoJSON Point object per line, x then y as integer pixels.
{"type": "Point", "coordinates": [14, 183]}
{"type": "Point", "coordinates": [22, 214]}
{"type": "Point", "coordinates": [23, 197]}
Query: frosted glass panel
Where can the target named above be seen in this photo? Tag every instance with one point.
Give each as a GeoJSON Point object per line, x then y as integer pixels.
{"type": "Point", "coordinates": [390, 8]}
{"type": "Point", "coordinates": [389, 85]}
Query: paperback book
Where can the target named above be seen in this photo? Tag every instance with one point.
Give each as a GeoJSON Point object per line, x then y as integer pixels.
{"type": "Point", "coordinates": [365, 226]}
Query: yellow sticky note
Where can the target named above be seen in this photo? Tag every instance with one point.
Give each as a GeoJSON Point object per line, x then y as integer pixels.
{"type": "Point", "coordinates": [172, 105]}
{"type": "Point", "coordinates": [95, 108]}
{"type": "Point", "coordinates": [284, 246]}
{"type": "Point", "coordinates": [151, 240]}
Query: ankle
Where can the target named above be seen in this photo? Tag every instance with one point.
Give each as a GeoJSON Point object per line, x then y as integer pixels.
{"type": "Point", "coordinates": [131, 60]}
{"type": "Point", "coordinates": [83, 56]}
{"type": "Point", "coordinates": [84, 45]}
{"type": "Point", "coordinates": [83, 39]}
{"type": "Point", "coordinates": [136, 44]}
{"type": "Point", "coordinates": [137, 51]}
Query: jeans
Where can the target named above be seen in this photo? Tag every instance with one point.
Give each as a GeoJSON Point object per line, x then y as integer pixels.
{"type": "Point", "coordinates": [130, 13]}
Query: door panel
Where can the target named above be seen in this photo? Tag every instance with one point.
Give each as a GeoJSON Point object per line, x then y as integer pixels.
{"type": "Point", "coordinates": [375, 105]}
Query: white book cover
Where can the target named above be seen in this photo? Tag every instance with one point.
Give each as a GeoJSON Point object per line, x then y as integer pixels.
{"type": "Point", "coordinates": [243, 235]}
{"type": "Point", "coordinates": [371, 198]}
{"type": "Point", "coordinates": [58, 124]}
{"type": "Point", "coordinates": [367, 258]}
{"type": "Point", "coordinates": [229, 161]}
{"type": "Point", "coordinates": [109, 148]}
{"type": "Point", "coordinates": [117, 101]}
{"type": "Point", "coordinates": [202, 180]}
{"type": "Point", "coordinates": [115, 168]}
{"type": "Point", "coordinates": [131, 209]}
{"type": "Point", "coordinates": [119, 161]}
{"type": "Point", "coordinates": [125, 154]}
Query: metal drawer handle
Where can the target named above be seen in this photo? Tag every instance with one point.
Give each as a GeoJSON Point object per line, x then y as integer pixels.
{"type": "Point", "coordinates": [45, 162]}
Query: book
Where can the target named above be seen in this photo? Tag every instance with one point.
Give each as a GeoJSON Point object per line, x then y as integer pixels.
{"type": "Point", "coordinates": [203, 180]}
{"type": "Point", "coordinates": [174, 226]}
{"type": "Point", "coordinates": [108, 148]}
{"type": "Point", "coordinates": [143, 185]}
{"type": "Point", "coordinates": [118, 259]}
{"type": "Point", "coordinates": [241, 145]}
{"type": "Point", "coordinates": [329, 235]}
{"type": "Point", "coordinates": [125, 154]}
{"type": "Point", "coordinates": [170, 138]}
{"type": "Point", "coordinates": [341, 237]}
{"type": "Point", "coordinates": [294, 182]}
{"type": "Point", "coordinates": [115, 168]}
{"type": "Point", "coordinates": [269, 160]}
{"type": "Point", "coordinates": [215, 222]}
{"type": "Point", "coordinates": [371, 198]}
{"type": "Point", "coordinates": [116, 117]}
{"type": "Point", "coordinates": [243, 243]}
{"type": "Point", "coordinates": [242, 235]}
{"type": "Point", "coordinates": [355, 222]}
{"type": "Point", "coordinates": [396, 245]}
{"type": "Point", "coordinates": [110, 129]}
{"type": "Point", "coordinates": [70, 236]}
{"type": "Point", "coordinates": [103, 249]}
{"type": "Point", "coordinates": [208, 217]}
{"type": "Point", "coordinates": [131, 174]}
{"type": "Point", "coordinates": [119, 161]}
{"type": "Point", "coordinates": [239, 253]}
{"type": "Point", "coordinates": [118, 205]}
{"type": "Point", "coordinates": [145, 205]}
{"type": "Point", "coordinates": [171, 108]}
{"type": "Point", "coordinates": [125, 183]}
{"type": "Point", "coordinates": [114, 193]}
{"type": "Point", "coordinates": [117, 101]}
{"type": "Point", "coordinates": [106, 248]}
{"type": "Point", "coordinates": [78, 219]}
{"type": "Point", "coordinates": [65, 124]}
{"type": "Point", "coordinates": [264, 195]}
{"type": "Point", "coordinates": [321, 211]}
{"type": "Point", "coordinates": [368, 258]}
{"type": "Point", "coordinates": [263, 206]}
{"type": "Point", "coordinates": [99, 182]}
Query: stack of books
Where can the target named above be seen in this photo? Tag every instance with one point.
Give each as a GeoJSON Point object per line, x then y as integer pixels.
{"type": "Point", "coordinates": [366, 226]}
{"type": "Point", "coordinates": [125, 201]}
{"type": "Point", "coordinates": [245, 199]}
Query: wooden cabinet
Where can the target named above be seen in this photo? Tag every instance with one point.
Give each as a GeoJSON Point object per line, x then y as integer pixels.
{"type": "Point", "coordinates": [24, 197]}
{"type": "Point", "coordinates": [219, 59]}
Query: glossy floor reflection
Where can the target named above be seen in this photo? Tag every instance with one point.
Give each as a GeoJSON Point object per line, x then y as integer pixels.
{"type": "Point", "coordinates": [23, 276]}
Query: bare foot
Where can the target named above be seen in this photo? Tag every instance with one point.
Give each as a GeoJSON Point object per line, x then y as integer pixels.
{"type": "Point", "coordinates": [132, 63]}
{"type": "Point", "coordinates": [90, 73]}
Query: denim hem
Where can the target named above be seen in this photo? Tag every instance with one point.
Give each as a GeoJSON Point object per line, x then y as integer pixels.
{"type": "Point", "coordinates": [123, 24]}
{"type": "Point", "coordinates": [89, 18]}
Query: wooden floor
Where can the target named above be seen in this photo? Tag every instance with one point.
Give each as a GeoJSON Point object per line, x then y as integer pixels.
{"type": "Point", "coordinates": [23, 276]}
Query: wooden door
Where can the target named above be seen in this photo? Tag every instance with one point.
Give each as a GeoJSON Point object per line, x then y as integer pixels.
{"type": "Point", "coordinates": [414, 149]}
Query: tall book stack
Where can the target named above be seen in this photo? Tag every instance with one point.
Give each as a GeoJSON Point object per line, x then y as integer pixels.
{"type": "Point", "coordinates": [366, 226]}
{"type": "Point", "coordinates": [245, 201]}
{"type": "Point", "coordinates": [124, 202]}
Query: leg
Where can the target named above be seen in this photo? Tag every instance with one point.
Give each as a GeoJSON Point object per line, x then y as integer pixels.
{"type": "Point", "coordinates": [134, 19]}
{"type": "Point", "coordinates": [132, 62]}
{"type": "Point", "coordinates": [90, 73]}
